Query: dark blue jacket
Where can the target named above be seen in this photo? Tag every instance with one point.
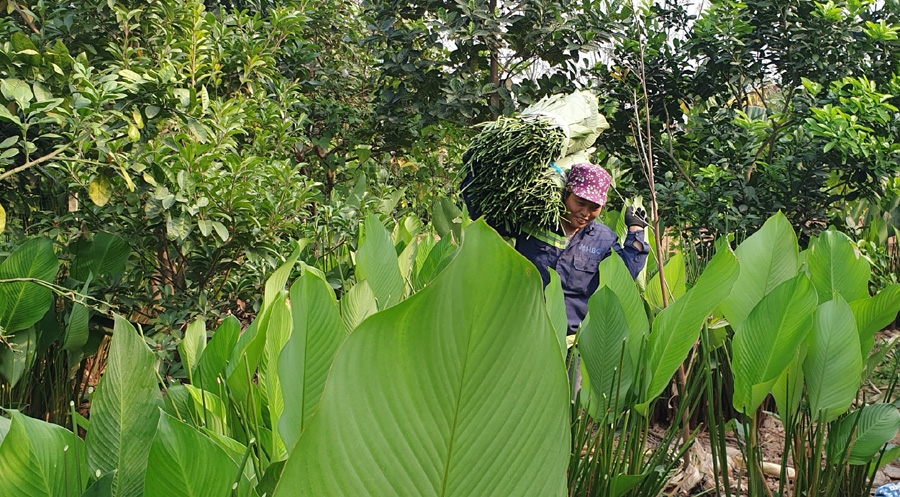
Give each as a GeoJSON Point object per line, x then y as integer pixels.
{"type": "Point", "coordinates": [578, 262]}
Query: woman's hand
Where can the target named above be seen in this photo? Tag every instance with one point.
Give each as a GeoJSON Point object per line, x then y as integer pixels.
{"type": "Point", "coordinates": [635, 218]}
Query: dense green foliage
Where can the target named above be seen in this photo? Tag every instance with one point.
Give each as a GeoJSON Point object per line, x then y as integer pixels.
{"type": "Point", "coordinates": [166, 165]}
{"type": "Point", "coordinates": [758, 106]}
{"type": "Point", "coordinates": [425, 392]}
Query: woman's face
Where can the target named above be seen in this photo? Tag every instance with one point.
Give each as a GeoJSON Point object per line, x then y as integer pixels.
{"type": "Point", "coordinates": [580, 212]}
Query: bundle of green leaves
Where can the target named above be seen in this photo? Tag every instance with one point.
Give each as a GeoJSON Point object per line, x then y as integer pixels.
{"type": "Point", "coordinates": [577, 113]}
{"type": "Point", "coordinates": [510, 179]}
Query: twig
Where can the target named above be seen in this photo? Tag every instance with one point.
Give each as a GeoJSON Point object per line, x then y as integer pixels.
{"type": "Point", "coordinates": [34, 162]}
{"type": "Point", "coordinates": [646, 153]}
{"type": "Point", "coordinates": [62, 291]}
{"type": "Point", "coordinates": [26, 18]}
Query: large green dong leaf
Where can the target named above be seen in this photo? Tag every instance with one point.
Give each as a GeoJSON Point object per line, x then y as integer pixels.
{"type": "Point", "coordinates": [215, 355]}
{"type": "Point", "coordinates": [357, 304]}
{"type": "Point", "coordinates": [17, 355]}
{"type": "Point", "coordinates": [835, 266]}
{"type": "Point", "coordinates": [23, 303]}
{"type": "Point", "coordinates": [615, 275]}
{"type": "Point", "coordinates": [303, 366]}
{"type": "Point", "coordinates": [768, 257]}
{"type": "Point", "coordinates": [556, 309]}
{"type": "Point", "coordinates": [872, 426]}
{"type": "Point", "coordinates": [766, 342]}
{"type": "Point", "coordinates": [185, 463]}
{"type": "Point", "coordinates": [833, 365]}
{"type": "Point", "coordinates": [446, 218]}
{"type": "Point", "coordinates": [437, 259]}
{"type": "Point", "coordinates": [872, 314]}
{"type": "Point", "coordinates": [788, 389]}
{"type": "Point", "coordinates": [191, 346]}
{"type": "Point", "coordinates": [459, 390]}
{"type": "Point", "coordinates": [376, 263]}
{"type": "Point", "coordinates": [39, 459]}
{"type": "Point", "coordinates": [677, 327]}
{"type": "Point", "coordinates": [124, 412]}
{"type": "Point", "coordinates": [674, 273]}
{"type": "Point", "coordinates": [278, 332]}
{"type": "Point", "coordinates": [251, 344]}
{"type": "Point", "coordinates": [602, 344]}
{"type": "Point", "coordinates": [105, 254]}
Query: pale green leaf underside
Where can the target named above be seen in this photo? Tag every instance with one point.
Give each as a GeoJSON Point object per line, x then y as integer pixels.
{"type": "Point", "coordinates": [305, 360]}
{"type": "Point", "coordinates": [357, 304]}
{"type": "Point", "coordinates": [413, 391]}
{"type": "Point", "coordinates": [556, 308]}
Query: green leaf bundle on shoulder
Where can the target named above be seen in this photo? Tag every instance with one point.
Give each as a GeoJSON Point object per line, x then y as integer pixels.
{"type": "Point", "coordinates": [512, 183]}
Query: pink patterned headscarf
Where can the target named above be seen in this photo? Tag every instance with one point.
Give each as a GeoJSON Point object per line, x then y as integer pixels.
{"type": "Point", "coordinates": [589, 181]}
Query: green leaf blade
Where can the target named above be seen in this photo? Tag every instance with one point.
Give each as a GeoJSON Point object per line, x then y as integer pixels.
{"type": "Point", "coordinates": [602, 344]}
{"type": "Point", "coordinates": [105, 254]}
{"type": "Point", "coordinates": [185, 463]}
{"type": "Point", "coordinates": [214, 359]}
{"type": "Point", "coordinates": [413, 390]}
{"type": "Point", "coordinates": [556, 309]}
{"type": "Point", "coordinates": [376, 263]}
{"type": "Point", "coordinates": [39, 459]}
{"type": "Point", "coordinates": [124, 412]}
{"type": "Point", "coordinates": [677, 327]}
{"type": "Point", "coordinates": [768, 258]}
{"type": "Point", "coordinates": [23, 303]}
{"type": "Point", "coordinates": [766, 342]}
{"type": "Point", "coordinates": [872, 314]}
{"type": "Point", "coordinates": [835, 266]}
{"type": "Point", "coordinates": [191, 346]}
{"type": "Point", "coordinates": [615, 275]}
{"type": "Point", "coordinates": [872, 426]}
{"type": "Point", "coordinates": [833, 365]}
{"type": "Point", "coordinates": [306, 358]}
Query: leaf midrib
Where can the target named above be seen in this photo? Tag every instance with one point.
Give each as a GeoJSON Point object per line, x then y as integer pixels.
{"type": "Point", "coordinates": [462, 377]}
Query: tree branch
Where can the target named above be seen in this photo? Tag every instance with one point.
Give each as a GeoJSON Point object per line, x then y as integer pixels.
{"type": "Point", "coordinates": [26, 18]}
{"type": "Point", "coordinates": [35, 162]}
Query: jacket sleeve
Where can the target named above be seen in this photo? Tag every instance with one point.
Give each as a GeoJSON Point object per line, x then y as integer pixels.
{"type": "Point", "coordinates": [635, 259]}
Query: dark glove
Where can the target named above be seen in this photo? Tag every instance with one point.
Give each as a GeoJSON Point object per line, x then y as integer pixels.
{"type": "Point", "coordinates": [635, 217]}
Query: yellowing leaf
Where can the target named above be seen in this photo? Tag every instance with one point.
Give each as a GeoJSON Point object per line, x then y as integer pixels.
{"type": "Point", "coordinates": [100, 190]}
{"type": "Point", "coordinates": [2, 218]}
{"type": "Point", "coordinates": [127, 177]}
{"type": "Point", "coordinates": [133, 133]}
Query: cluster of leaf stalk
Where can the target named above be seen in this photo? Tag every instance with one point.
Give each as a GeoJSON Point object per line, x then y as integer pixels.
{"type": "Point", "coordinates": [612, 451]}
{"type": "Point", "coordinates": [822, 466]}
{"type": "Point", "coordinates": [511, 184]}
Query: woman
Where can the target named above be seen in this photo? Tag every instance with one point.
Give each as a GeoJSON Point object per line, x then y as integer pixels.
{"type": "Point", "coordinates": [575, 250]}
